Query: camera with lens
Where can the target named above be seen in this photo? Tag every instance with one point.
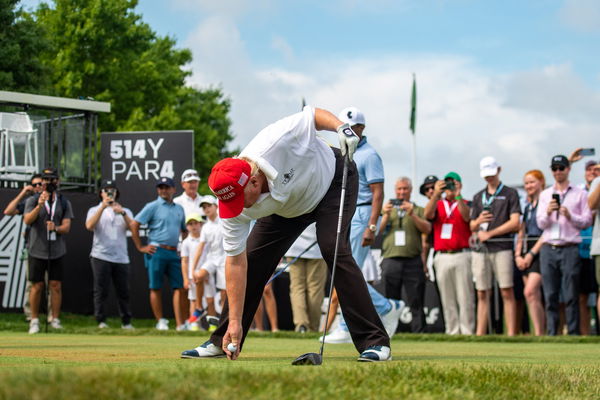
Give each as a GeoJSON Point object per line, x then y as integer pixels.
{"type": "Point", "coordinates": [450, 185]}
{"type": "Point", "coordinates": [396, 202]}
{"type": "Point", "coordinates": [51, 187]}
{"type": "Point", "coordinates": [110, 193]}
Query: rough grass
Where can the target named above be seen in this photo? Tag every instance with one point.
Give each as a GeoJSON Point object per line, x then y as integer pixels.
{"type": "Point", "coordinates": [85, 363]}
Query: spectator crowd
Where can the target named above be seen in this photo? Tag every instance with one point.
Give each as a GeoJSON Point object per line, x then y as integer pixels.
{"type": "Point", "coordinates": [540, 253]}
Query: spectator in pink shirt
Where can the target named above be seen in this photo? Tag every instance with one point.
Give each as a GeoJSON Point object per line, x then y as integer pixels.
{"type": "Point", "coordinates": [561, 213]}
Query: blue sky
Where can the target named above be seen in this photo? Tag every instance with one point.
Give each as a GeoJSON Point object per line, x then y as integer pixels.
{"type": "Point", "coordinates": [519, 80]}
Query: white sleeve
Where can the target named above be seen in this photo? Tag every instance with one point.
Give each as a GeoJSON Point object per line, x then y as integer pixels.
{"type": "Point", "coordinates": [185, 249]}
{"type": "Point", "coordinates": [235, 234]}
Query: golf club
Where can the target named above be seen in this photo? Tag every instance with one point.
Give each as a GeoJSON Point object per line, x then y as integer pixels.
{"type": "Point", "coordinates": [314, 358]}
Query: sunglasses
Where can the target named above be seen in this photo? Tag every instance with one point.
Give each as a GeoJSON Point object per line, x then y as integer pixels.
{"type": "Point", "coordinates": [428, 188]}
{"type": "Point", "coordinates": [558, 168]}
{"type": "Point", "coordinates": [36, 184]}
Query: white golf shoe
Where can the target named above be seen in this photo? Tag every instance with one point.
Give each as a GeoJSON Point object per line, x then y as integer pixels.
{"type": "Point", "coordinates": [375, 354]}
{"type": "Point", "coordinates": [162, 324]}
{"type": "Point", "coordinates": [205, 350]}
{"type": "Point", "coordinates": [55, 324]}
{"type": "Point", "coordinates": [391, 318]}
{"type": "Point", "coordinates": [34, 326]}
{"type": "Point", "coordinates": [337, 336]}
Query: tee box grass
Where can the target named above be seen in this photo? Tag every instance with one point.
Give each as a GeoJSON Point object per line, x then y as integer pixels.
{"type": "Point", "coordinates": [85, 363]}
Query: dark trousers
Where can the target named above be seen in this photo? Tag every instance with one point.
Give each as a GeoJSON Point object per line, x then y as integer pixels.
{"type": "Point", "coordinates": [103, 272]}
{"type": "Point", "coordinates": [272, 236]}
{"type": "Point", "coordinates": [397, 272]}
{"type": "Point", "coordinates": [561, 267]}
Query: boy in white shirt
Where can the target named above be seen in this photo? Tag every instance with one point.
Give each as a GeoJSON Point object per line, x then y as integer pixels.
{"type": "Point", "coordinates": [209, 259]}
{"type": "Point", "coordinates": [193, 224]}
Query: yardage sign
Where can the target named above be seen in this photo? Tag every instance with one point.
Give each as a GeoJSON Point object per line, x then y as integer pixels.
{"type": "Point", "coordinates": [136, 160]}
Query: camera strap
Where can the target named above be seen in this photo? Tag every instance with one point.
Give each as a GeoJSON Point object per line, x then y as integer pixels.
{"type": "Point", "coordinates": [49, 210]}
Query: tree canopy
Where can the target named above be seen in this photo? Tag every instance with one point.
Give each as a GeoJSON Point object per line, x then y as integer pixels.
{"type": "Point", "coordinates": [102, 49]}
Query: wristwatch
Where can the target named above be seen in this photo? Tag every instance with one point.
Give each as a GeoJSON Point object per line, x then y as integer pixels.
{"type": "Point", "coordinates": [373, 228]}
{"type": "Point", "coordinates": [123, 213]}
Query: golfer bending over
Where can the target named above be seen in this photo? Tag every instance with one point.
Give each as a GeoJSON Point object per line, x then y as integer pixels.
{"type": "Point", "coordinates": [287, 178]}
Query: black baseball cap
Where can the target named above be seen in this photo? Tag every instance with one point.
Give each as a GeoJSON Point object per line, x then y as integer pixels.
{"type": "Point", "coordinates": [429, 180]}
{"type": "Point", "coordinates": [50, 173]}
{"type": "Point", "coordinates": [108, 185]}
{"type": "Point", "coordinates": [165, 181]}
{"type": "Point", "coordinates": [560, 160]}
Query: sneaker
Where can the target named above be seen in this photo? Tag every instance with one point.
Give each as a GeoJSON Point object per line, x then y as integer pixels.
{"type": "Point", "coordinates": [127, 327]}
{"type": "Point", "coordinates": [206, 350]}
{"type": "Point", "coordinates": [212, 328]}
{"type": "Point", "coordinates": [181, 328]}
{"type": "Point", "coordinates": [376, 353]}
{"type": "Point", "coordinates": [102, 325]}
{"type": "Point", "coordinates": [162, 324]}
{"type": "Point", "coordinates": [337, 336]}
{"type": "Point", "coordinates": [196, 315]}
{"type": "Point", "coordinates": [212, 320]}
{"type": "Point", "coordinates": [391, 318]}
{"type": "Point", "coordinates": [195, 327]}
{"type": "Point", "coordinates": [56, 323]}
{"type": "Point", "coordinates": [34, 326]}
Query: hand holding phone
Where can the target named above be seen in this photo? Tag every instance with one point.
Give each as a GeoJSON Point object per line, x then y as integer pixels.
{"type": "Point", "coordinates": [587, 152]}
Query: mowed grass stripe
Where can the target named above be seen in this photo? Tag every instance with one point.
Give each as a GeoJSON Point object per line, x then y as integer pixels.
{"type": "Point", "coordinates": [73, 366]}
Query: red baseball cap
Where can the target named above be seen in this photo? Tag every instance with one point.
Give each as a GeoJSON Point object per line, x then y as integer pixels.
{"type": "Point", "coordinates": [227, 180]}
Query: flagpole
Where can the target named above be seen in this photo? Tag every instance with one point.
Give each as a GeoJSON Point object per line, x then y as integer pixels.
{"type": "Point", "coordinates": [413, 123]}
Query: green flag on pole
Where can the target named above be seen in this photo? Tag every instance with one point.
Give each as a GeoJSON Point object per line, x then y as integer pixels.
{"type": "Point", "coordinates": [413, 106]}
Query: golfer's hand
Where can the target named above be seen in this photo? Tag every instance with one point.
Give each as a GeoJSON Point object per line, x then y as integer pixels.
{"type": "Point", "coordinates": [348, 140]}
{"type": "Point", "coordinates": [233, 335]}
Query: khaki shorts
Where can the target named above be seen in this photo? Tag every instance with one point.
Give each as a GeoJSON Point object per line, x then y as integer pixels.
{"type": "Point", "coordinates": [499, 263]}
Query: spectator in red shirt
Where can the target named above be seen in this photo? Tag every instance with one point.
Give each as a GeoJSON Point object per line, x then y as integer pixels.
{"type": "Point", "coordinates": [452, 261]}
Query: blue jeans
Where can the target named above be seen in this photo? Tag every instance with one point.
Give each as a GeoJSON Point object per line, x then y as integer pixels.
{"type": "Point", "coordinates": [360, 221]}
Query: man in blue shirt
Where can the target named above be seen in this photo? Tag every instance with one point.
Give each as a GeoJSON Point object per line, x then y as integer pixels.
{"type": "Point", "coordinates": [364, 224]}
{"type": "Point", "coordinates": [165, 220]}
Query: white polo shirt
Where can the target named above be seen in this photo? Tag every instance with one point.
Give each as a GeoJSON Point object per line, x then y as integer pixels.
{"type": "Point", "coordinates": [212, 235]}
{"type": "Point", "coordinates": [190, 206]}
{"type": "Point", "coordinates": [299, 167]}
{"type": "Point", "coordinates": [110, 235]}
{"type": "Point", "coordinates": [188, 249]}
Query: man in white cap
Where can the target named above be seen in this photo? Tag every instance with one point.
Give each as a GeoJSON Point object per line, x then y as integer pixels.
{"type": "Point", "coordinates": [364, 223]}
{"type": "Point", "coordinates": [495, 216]}
{"type": "Point", "coordinates": [190, 199]}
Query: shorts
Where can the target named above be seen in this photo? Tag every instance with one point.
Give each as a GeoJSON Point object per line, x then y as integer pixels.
{"type": "Point", "coordinates": [587, 281]}
{"type": "Point", "coordinates": [37, 268]}
{"type": "Point", "coordinates": [163, 262]}
{"type": "Point", "coordinates": [192, 290]}
{"type": "Point", "coordinates": [535, 264]}
{"type": "Point", "coordinates": [216, 270]}
{"type": "Point", "coordinates": [499, 263]}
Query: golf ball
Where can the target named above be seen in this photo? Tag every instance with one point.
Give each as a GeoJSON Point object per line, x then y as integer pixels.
{"type": "Point", "coordinates": [231, 347]}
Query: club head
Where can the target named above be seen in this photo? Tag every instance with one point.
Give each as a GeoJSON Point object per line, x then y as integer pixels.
{"type": "Point", "coordinates": [308, 359]}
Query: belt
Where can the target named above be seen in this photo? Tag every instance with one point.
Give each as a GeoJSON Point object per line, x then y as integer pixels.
{"type": "Point", "coordinates": [167, 247]}
{"type": "Point", "coordinates": [453, 251]}
{"type": "Point", "coordinates": [560, 246]}
{"type": "Point", "coordinates": [368, 203]}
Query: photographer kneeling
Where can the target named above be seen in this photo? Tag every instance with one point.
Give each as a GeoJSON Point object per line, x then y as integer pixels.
{"type": "Point", "coordinates": [49, 214]}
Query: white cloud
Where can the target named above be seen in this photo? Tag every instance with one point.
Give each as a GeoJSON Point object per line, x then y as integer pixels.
{"type": "Point", "coordinates": [464, 112]}
{"type": "Point", "coordinates": [581, 15]}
